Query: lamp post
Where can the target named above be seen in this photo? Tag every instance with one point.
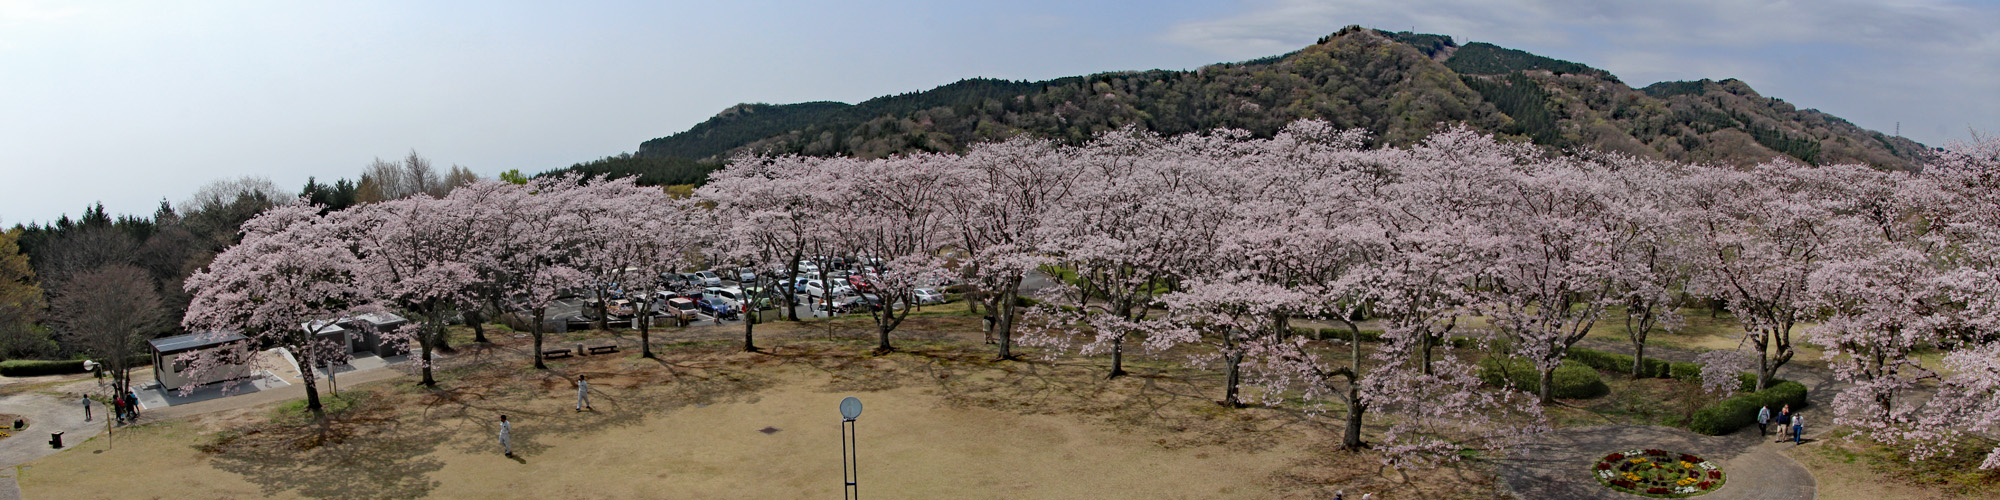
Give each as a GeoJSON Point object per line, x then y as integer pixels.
{"type": "Point", "coordinates": [850, 465]}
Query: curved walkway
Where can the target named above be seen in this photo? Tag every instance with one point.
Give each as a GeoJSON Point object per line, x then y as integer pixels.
{"type": "Point", "coordinates": [1557, 464]}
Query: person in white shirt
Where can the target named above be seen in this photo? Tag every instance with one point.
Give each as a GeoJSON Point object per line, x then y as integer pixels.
{"type": "Point", "coordinates": [506, 436]}
{"type": "Point", "coordinates": [582, 394]}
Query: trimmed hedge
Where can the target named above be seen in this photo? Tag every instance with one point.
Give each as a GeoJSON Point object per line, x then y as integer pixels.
{"type": "Point", "coordinates": [1572, 381]}
{"type": "Point", "coordinates": [1338, 333]}
{"type": "Point", "coordinates": [1654, 368]}
{"type": "Point", "coordinates": [1735, 413]}
{"type": "Point", "coordinates": [39, 367]}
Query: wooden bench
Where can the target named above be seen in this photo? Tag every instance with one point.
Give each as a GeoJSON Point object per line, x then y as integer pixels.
{"type": "Point", "coordinates": [555, 353]}
{"type": "Point", "coordinates": [601, 349]}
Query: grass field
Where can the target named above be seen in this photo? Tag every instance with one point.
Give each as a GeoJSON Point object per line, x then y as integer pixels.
{"type": "Point", "coordinates": [942, 421]}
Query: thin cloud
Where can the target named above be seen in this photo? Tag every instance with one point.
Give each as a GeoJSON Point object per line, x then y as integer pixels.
{"type": "Point", "coordinates": [1936, 60]}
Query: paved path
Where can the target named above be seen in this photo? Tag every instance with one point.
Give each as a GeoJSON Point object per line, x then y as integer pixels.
{"type": "Point", "coordinates": [1557, 465]}
{"type": "Point", "coordinates": [46, 414]}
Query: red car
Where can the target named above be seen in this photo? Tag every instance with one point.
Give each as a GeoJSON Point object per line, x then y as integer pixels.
{"type": "Point", "coordinates": [865, 285]}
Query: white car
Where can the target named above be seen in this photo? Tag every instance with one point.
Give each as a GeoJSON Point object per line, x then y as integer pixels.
{"type": "Point", "coordinates": [928, 296]}
{"type": "Point", "coordinates": [709, 278]}
{"type": "Point", "coordinates": [814, 290]}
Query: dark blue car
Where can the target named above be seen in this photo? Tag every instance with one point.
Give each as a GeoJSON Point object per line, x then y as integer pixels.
{"type": "Point", "coordinates": [716, 306]}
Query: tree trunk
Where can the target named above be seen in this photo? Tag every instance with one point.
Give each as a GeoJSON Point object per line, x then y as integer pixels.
{"type": "Point", "coordinates": [477, 320]}
{"type": "Point", "coordinates": [536, 329]}
{"type": "Point", "coordinates": [749, 343]}
{"type": "Point", "coordinates": [1548, 386]}
{"type": "Point", "coordinates": [443, 336]}
{"type": "Point", "coordinates": [1004, 324]}
{"type": "Point", "coordinates": [1117, 357]}
{"type": "Point", "coordinates": [1424, 345]}
{"type": "Point", "coordinates": [1350, 439]}
{"type": "Point", "coordinates": [1638, 359]}
{"type": "Point", "coordinates": [1764, 368]}
{"type": "Point", "coordinates": [1233, 376]}
{"type": "Point", "coordinates": [645, 320]}
{"type": "Point", "coordinates": [424, 344]}
{"type": "Point", "coordinates": [884, 345]}
{"type": "Point", "coordinates": [306, 376]}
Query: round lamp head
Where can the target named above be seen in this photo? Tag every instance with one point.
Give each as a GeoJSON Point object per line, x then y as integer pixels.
{"type": "Point", "coordinates": [850, 408]}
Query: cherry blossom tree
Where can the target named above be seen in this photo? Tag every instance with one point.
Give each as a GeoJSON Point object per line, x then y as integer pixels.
{"type": "Point", "coordinates": [894, 215]}
{"type": "Point", "coordinates": [1009, 190]}
{"type": "Point", "coordinates": [422, 255]}
{"type": "Point", "coordinates": [534, 255]}
{"type": "Point", "coordinates": [290, 269]}
{"type": "Point", "coordinates": [767, 211]}
{"type": "Point", "coordinates": [1756, 237]}
{"type": "Point", "coordinates": [629, 235]}
{"type": "Point", "coordinates": [1120, 246]}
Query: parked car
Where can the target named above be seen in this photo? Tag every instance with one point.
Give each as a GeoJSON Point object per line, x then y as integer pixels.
{"type": "Point", "coordinates": [717, 306]}
{"type": "Point", "coordinates": [859, 303]}
{"type": "Point", "coordinates": [621, 307]}
{"type": "Point", "coordinates": [815, 289]}
{"type": "Point", "coordinates": [860, 283]}
{"type": "Point", "coordinates": [746, 276]}
{"type": "Point", "coordinates": [709, 278]}
{"type": "Point", "coordinates": [926, 296]}
{"type": "Point", "coordinates": [758, 298]}
{"type": "Point", "coordinates": [681, 307]}
{"type": "Point", "coordinates": [808, 267]}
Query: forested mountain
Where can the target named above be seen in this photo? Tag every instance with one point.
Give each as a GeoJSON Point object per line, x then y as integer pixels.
{"type": "Point", "coordinates": [1399, 86]}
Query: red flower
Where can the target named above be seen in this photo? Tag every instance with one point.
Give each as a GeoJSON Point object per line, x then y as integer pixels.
{"type": "Point", "coordinates": [1615, 457]}
{"type": "Point", "coordinates": [1705, 485]}
{"type": "Point", "coordinates": [1715, 474]}
{"type": "Point", "coordinates": [1657, 491]}
{"type": "Point", "coordinates": [1603, 466]}
{"type": "Point", "coordinates": [1622, 483]}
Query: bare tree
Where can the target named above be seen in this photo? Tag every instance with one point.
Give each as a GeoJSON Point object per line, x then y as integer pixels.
{"type": "Point", "coordinates": [219, 194]}
{"type": "Point", "coordinates": [420, 177]}
{"type": "Point", "coordinates": [109, 313]}
{"type": "Point", "coordinates": [459, 176]}
{"type": "Point", "coordinates": [381, 181]}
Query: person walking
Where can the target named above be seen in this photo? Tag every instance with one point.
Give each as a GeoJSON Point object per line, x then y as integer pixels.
{"type": "Point", "coordinates": [86, 408]}
{"type": "Point", "coordinates": [1764, 421]}
{"type": "Point", "coordinates": [583, 394]}
{"type": "Point", "coordinates": [506, 437]}
{"type": "Point", "coordinates": [1784, 421]}
{"type": "Point", "coordinates": [1798, 429]}
{"type": "Point", "coordinates": [118, 410]}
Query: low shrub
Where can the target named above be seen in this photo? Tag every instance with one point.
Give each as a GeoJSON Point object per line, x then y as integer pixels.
{"type": "Point", "coordinates": [1572, 380]}
{"type": "Point", "coordinates": [1622, 363]}
{"type": "Point", "coordinates": [1736, 412]}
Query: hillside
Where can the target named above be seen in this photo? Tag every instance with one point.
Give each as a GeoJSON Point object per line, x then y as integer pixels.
{"type": "Point", "coordinates": [1399, 86]}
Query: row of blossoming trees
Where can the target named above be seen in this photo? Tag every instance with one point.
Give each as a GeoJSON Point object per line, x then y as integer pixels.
{"type": "Point", "coordinates": [1206, 247]}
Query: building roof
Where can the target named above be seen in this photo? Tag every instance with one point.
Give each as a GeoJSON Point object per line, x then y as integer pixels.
{"type": "Point", "coordinates": [194, 341]}
{"type": "Point", "coordinates": [380, 318]}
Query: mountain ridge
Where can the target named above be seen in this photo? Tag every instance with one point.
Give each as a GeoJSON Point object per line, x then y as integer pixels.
{"type": "Point", "coordinates": [1399, 86]}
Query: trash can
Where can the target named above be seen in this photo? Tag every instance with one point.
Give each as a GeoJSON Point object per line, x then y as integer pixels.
{"type": "Point", "coordinates": [55, 440]}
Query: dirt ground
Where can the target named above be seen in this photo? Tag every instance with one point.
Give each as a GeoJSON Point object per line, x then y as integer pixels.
{"type": "Point", "coordinates": [942, 420]}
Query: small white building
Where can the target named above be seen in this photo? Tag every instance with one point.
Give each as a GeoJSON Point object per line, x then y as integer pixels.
{"type": "Point", "coordinates": [170, 371]}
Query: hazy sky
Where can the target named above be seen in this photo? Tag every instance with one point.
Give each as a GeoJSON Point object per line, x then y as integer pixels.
{"type": "Point", "coordinates": [130, 102]}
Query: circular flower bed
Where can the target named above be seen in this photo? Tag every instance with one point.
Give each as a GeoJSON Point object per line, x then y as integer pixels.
{"type": "Point", "coordinates": [1658, 473]}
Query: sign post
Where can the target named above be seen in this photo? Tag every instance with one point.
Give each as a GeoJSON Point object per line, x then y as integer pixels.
{"type": "Point", "coordinates": [850, 465]}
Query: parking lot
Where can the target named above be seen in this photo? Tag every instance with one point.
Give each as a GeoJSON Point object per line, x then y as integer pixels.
{"type": "Point", "coordinates": [570, 311]}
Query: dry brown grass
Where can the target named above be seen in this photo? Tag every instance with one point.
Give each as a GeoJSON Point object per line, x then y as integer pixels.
{"type": "Point", "coordinates": [943, 420]}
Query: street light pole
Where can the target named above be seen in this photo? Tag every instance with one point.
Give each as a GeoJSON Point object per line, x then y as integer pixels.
{"type": "Point", "coordinates": [850, 449]}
